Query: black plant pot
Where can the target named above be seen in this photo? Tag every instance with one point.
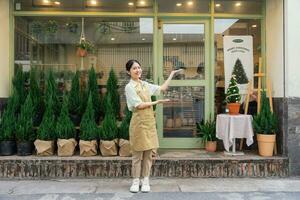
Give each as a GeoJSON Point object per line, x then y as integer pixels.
{"type": "Point", "coordinates": [25, 148]}
{"type": "Point", "coordinates": [75, 119]}
{"type": "Point", "coordinates": [8, 148]}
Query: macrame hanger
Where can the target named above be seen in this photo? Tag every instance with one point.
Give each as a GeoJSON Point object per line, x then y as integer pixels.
{"type": "Point", "coordinates": [82, 36]}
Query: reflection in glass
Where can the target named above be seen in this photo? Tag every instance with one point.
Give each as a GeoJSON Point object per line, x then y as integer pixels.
{"type": "Point", "coordinates": [239, 6]}
{"type": "Point", "coordinates": [185, 6]}
{"type": "Point", "coordinates": [185, 109]}
{"type": "Point", "coordinates": [184, 47]}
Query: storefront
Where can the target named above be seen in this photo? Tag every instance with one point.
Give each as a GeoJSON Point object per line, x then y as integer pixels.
{"type": "Point", "coordinates": [161, 34]}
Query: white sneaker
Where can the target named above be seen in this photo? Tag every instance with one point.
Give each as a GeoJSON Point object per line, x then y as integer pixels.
{"type": "Point", "coordinates": [135, 187]}
{"type": "Point", "coordinates": [145, 185]}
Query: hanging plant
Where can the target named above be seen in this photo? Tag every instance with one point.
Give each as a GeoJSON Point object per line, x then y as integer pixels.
{"type": "Point", "coordinates": [51, 27]}
{"type": "Point", "coordinates": [84, 47]}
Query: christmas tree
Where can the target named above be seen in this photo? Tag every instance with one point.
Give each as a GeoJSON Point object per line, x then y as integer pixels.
{"type": "Point", "coordinates": [64, 127]}
{"type": "Point", "coordinates": [239, 72]}
{"type": "Point", "coordinates": [232, 94]}
{"type": "Point", "coordinates": [51, 92]}
{"type": "Point", "coordinates": [112, 89]}
{"type": "Point", "coordinates": [93, 90]}
{"type": "Point", "coordinates": [88, 126]}
{"type": "Point", "coordinates": [74, 98]}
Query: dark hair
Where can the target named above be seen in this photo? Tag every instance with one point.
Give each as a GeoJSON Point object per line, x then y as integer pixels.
{"type": "Point", "coordinates": [130, 63]}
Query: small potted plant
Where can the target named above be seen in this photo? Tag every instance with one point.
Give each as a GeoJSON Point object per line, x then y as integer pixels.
{"type": "Point", "coordinates": [84, 47]}
{"type": "Point", "coordinates": [265, 125]}
{"type": "Point", "coordinates": [233, 97]}
{"type": "Point", "coordinates": [65, 131]}
{"type": "Point", "coordinates": [208, 131]}
{"type": "Point", "coordinates": [88, 131]}
{"type": "Point", "coordinates": [124, 145]}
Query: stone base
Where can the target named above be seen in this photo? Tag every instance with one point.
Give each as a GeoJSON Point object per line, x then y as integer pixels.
{"type": "Point", "coordinates": [34, 167]}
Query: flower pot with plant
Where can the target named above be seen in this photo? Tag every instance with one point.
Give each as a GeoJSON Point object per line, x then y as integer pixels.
{"type": "Point", "coordinates": [233, 97]}
{"type": "Point", "coordinates": [265, 125]}
{"type": "Point", "coordinates": [207, 129]}
{"type": "Point", "coordinates": [65, 131]}
{"type": "Point", "coordinates": [24, 129]}
{"type": "Point", "coordinates": [109, 131]}
{"type": "Point", "coordinates": [84, 47]}
{"type": "Point", "coordinates": [88, 131]}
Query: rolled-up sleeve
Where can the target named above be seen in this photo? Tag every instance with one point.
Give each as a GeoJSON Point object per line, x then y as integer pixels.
{"type": "Point", "coordinates": [132, 98]}
{"type": "Point", "coordinates": [153, 89]}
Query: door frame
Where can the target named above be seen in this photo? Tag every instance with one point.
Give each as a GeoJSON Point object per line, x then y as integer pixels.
{"type": "Point", "coordinates": [207, 83]}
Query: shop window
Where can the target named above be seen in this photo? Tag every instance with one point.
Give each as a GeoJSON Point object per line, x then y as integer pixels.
{"type": "Point", "coordinates": [50, 43]}
{"type": "Point", "coordinates": [184, 6]}
{"type": "Point", "coordinates": [85, 5]}
{"type": "Point", "coordinates": [233, 27]}
{"type": "Point", "coordinates": [239, 6]}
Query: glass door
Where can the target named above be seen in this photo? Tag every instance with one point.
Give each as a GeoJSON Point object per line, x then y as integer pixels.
{"type": "Point", "coordinates": [183, 45]}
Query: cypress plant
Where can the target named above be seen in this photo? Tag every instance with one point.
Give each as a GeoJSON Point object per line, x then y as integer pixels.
{"type": "Point", "coordinates": [47, 127]}
{"type": "Point", "coordinates": [7, 127]}
{"type": "Point", "coordinates": [64, 127]}
{"type": "Point", "coordinates": [74, 96]}
{"type": "Point", "coordinates": [51, 92]}
{"type": "Point", "coordinates": [93, 89]}
{"type": "Point", "coordinates": [109, 130]}
{"type": "Point", "coordinates": [18, 84]}
{"type": "Point", "coordinates": [88, 126]}
{"type": "Point", "coordinates": [124, 127]}
{"type": "Point", "coordinates": [35, 94]}
{"type": "Point", "coordinates": [112, 89]}
{"type": "Point", "coordinates": [24, 127]}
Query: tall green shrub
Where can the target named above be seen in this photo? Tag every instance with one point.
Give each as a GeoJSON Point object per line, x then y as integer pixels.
{"type": "Point", "coordinates": [64, 127]}
{"type": "Point", "coordinates": [124, 127]}
{"type": "Point", "coordinates": [24, 127]}
{"type": "Point", "coordinates": [109, 130]}
{"type": "Point", "coordinates": [36, 96]}
{"type": "Point", "coordinates": [93, 89]}
{"type": "Point", "coordinates": [51, 92]}
{"type": "Point", "coordinates": [265, 122]}
{"type": "Point", "coordinates": [88, 126]}
{"type": "Point", "coordinates": [7, 127]}
{"type": "Point", "coordinates": [18, 84]}
{"type": "Point", "coordinates": [46, 130]}
{"type": "Point", "coordinates": [112, 89]}
{"type": "Point", "coordinates": [74, 96]}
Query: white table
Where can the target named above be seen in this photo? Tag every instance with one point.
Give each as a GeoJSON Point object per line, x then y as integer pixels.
{"type": "Point", "coordinates": [229, 127]}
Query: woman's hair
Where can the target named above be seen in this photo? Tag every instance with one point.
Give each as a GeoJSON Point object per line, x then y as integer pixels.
{"type": "Point", "coordinates": [130, 63]}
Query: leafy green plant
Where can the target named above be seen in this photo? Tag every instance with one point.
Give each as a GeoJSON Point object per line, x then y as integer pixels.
{"type": "Point", "coordinates": [112, 90]}
{"type": "Point", "coordinates": [46, 130]}
{"type": "Point", "coordinates": [109, 129]}
{"type": "Point", "coordinates": [233, 93]}
{"type": "Point", "coordinates": [265, 122]}
{"type": "Point", "coordinates": [93, 89]}
{"type": "Point", "coordinates": [51, 27]}
{"type": "Point", "coordinates": [207, 129]}
{"type": "Point", "coordinates": [64, 127]}
{"type": "Point", "coordinates": [88, 126]}
{"type": "Point", "coordinates": [86, 45]}
{"type": "Point", "coordinates": [51, 92]}
{"type": "Point", "coordinates": [18, 83]}
{"type": "Point", "coordinates": [24, 127]}
{"type": "Point", "coordinates": [74, 96]}
{"type": "Point", "coordinates": [7, 126]}
{"type": "Point", "coordinates": [124, 127]}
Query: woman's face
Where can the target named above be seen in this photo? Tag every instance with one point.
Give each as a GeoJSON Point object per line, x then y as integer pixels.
{"type": "Point", "coordinates": [135, 71]}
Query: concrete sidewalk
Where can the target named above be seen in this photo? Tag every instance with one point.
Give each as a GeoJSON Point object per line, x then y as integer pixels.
{"type": "Point", "coordinates": [162, 188]}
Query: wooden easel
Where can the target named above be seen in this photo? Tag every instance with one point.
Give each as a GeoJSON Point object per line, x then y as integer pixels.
{"type": "Point", "coordinates": [260, 75]}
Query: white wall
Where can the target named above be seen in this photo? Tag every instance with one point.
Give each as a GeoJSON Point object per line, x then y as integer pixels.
{"type": "Point", "coordinates": [4, 50]}
{"type": "Point", "coordinates": [274, 45]}
{"type": "Point", "coordinates": [292, 47]}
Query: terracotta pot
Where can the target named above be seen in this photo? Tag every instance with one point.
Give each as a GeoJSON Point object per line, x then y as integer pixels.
{"type": "Point", "coordinates": [266, 144]}
{"type": "Point", "coordinates": [234, 108]}
{"type": "Point", "coordinates": [211, 146]}
{"type": "Point", "coordinates": [81, 52]}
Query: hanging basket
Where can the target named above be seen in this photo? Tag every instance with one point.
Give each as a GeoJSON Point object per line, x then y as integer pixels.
{"type": "Point", "coordinates": [81, 52]}
{"type": "Point", "coordinates": [234, 108]}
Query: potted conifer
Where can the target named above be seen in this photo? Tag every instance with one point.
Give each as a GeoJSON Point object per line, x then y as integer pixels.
{"type": "Point", "coordinates": [51, 92]}
{"type": "Point", "coordinates": [65, 131]}
{"type": "Point", "coordinates": [36, 99]}
{"type": "Point", "coordinates": [233, 97]}
{"type": "Point", "coordinates": [112, 89]}
{"type": "Point", "coordinates": [94, 90]}
{"type": "Point", "coordinates": [208, 131]}
{"type": "Point", "coordinates": [265, 125]}
{"type": "Point", "coordinates": [74, 100]}
{"type": "Point", "coordinates": [109, 131]}
{"type": "Point", "coordinates": [24, 129]}
{"type": "Point", "coordinates": [7, 127]}
{"type": "Point", "coordinates": [44, 144]}
{"type": "Point", "coordinates": [124, 145]}
{"type": "Point", "coordinates": [88, 131]}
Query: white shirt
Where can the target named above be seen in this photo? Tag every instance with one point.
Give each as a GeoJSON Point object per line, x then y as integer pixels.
{"type": "Point", "coordinates": [132, 98]}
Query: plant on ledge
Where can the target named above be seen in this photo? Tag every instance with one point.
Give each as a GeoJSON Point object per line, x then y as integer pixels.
{"type": "Point", "coordinates": [208, 131]}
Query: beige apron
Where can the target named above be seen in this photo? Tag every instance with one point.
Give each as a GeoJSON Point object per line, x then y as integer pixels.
{"type": "Point", "coordinates": [142, 130]}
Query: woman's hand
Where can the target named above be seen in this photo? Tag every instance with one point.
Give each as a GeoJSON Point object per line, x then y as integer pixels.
{"type": "Point", "coordinates": [164, 86]}
{"type": "Point", "coordinates": [176, 71]}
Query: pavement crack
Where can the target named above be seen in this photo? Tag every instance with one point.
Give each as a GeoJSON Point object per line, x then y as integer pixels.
{"type": "Point", "coordinates": [179, 188]}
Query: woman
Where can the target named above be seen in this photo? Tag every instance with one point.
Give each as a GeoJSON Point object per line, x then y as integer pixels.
{"type": "Point", "coordinates": [142, 130]}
